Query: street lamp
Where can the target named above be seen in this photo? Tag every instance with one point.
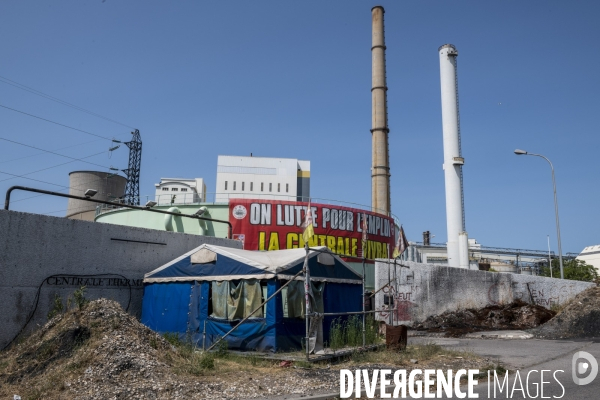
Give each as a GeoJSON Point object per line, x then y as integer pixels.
{"type": "Point", "coordinates": [523, 152]}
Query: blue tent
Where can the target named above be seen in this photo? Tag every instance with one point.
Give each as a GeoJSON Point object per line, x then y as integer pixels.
{"type": "Point", "coordinates": [211, 288]}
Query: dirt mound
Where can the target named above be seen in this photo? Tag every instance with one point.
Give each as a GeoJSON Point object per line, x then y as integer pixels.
{"type": "Point", "coordinates": [580, 318]}
{"type": "Point", "coordinates": [516, 315]}
{"type": "Point", "coordinates": [99, 352]}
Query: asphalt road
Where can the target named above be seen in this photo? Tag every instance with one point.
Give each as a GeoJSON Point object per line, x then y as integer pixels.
{"type": "Point", "coordinates": [531, 355]}
{"type": "Point", "coordinates": [523, 355]}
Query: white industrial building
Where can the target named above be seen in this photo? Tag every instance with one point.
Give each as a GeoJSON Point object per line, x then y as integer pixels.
{"type": "Point", "coordinates": [180, 191]}
{"type": "Point", "coordinates": [591, 256]}
{"type": "Point", "coordinates": [481, 257]}
{"type": "Point", "coordinates": [262, 178]}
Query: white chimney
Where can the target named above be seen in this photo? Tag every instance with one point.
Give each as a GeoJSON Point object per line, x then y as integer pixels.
{"type": "Point", "coordinates": [458, 252]}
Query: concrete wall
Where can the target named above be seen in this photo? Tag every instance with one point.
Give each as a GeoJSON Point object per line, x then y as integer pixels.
{"type": "Point", "coordinates": [422, 290]}
{"type": "Point", "coordinates": [108, 259]}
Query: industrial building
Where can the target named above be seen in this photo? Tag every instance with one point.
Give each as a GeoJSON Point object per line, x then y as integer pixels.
{"type": "Point", "coordinates": [499, 259]}
{"type": "Point", "coordinates": [262, 178]}
{"type": "Point", "coordinates": [591, 255]}
{"type": "Point", "coordinates": [180, 191]}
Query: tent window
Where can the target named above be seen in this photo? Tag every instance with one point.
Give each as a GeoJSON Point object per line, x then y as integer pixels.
{"type": "Point", "coordinates": [293, 299]}
{"type": "Point", "coordinates": [203, 256]}
{"type": "Point", "coordinates": [325, 259]}
{"type": "Point", "coordinates": [236, 299]}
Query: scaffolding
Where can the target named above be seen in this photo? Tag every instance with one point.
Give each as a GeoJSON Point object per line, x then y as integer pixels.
{"type": "Point", "coordinates": [310, 314]}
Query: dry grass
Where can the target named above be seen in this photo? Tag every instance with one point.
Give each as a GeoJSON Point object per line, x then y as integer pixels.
{"type": "Point", "coordinates": [426, 353]}
{"type": "Point", "coordinates": [49, 360]}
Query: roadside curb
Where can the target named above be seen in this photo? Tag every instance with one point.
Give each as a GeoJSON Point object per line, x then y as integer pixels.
{"type": "Point", "coordinates": [328, 396]}
{"type": "Point", "coordinates": [499, 335]}
{"type": "Point", "coordinates": [332, 396]}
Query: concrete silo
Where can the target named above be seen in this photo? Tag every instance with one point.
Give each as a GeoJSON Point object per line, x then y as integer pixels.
{"type": "Point", "coordinates": [109, 187]}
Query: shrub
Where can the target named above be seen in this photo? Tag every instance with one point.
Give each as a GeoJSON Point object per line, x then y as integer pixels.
{"type": "Point", "coordinates": [57, 306]}
{"type": "Point", "coordinates": [79, 297]}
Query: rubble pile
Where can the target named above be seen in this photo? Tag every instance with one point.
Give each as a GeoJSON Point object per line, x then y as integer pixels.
{"type": "Point", "coordinates": [101, 352]}
{"type": "Point", "coordinates": [88, 353]}
{"type": "Point", "coordinates": [516, 315]}
{"type": "Point", "coordinates": [580, 318]}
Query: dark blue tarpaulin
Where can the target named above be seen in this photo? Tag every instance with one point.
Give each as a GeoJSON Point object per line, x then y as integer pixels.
{"type": "Point", "coordinates": [183, 307]}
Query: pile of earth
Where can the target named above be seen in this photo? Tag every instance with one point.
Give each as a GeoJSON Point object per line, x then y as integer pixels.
{"type": "Point", "coordinates": [101, 352]}
{"type": "Point", "coordinates": [97, 352]}
{"type": "Point", "coordinates": [516, 315]}
{"type": "Point", "coordinates": [579, 318]}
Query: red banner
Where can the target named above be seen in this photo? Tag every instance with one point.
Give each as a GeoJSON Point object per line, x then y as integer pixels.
{"type": "Point", "coordinates": [276, 225]}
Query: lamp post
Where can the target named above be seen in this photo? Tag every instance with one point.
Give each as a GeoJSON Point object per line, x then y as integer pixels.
{"type": "Point", "coordinates": [560, 260]}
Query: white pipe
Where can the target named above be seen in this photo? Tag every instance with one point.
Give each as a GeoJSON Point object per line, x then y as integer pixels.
{"type": "Point", "coordinates": [203, 229]}
{"type": "Point", "coordinates": [169, 219]}
{"type": "Point", "coordinates": [453, 160]}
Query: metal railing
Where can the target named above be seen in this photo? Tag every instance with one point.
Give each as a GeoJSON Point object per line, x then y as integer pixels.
{"type": "Point", "coordinates": [192, 198]}
{"type": "Point", "coordinates": [111, 203]}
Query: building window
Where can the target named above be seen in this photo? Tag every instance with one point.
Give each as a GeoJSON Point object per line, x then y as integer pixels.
{"type": "Point", "coordinates": [262, 187]}
{"type": "Point", "coordinates": [270, 187]}
{"type": "Point", "coordinates": [242, 186]}
{"type": "Point", "coordinates": [184, 189]}
{"type": "Point", "coordinates": [251, 186]}
{"type": "Point", "coordinates": [225, 185]}
{"type": "Point", "coordinates": [233, 185]}
{"type": "Point", "coordinates": [174, 189]}
{"type": "Point", "coordinates": [165, 189]}
{"type": "Point", "coordinates": [278, 187]}
{"type": "Point", "coordinates": [287, 187]}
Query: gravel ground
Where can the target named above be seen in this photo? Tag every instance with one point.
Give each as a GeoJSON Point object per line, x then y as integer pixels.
{"type": "Point", "coordinates": [102, 352]}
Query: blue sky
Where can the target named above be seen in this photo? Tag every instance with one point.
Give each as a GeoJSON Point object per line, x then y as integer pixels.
{"type": "Point", "coordinates": [292, 79]}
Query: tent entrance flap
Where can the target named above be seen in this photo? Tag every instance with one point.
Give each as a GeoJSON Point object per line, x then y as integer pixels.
{"type": "Point", "coordinates": [295, 298]}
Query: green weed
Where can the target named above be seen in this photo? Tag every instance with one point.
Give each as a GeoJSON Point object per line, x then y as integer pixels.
{"type": "Point", "coordinates": [173, 338]}
{"type": "Point", "coordinates": [57, 306]}
{"type": "Point", "coordinates": [349, 333]}
{"type": "Point", "coordinates": [79, 297]}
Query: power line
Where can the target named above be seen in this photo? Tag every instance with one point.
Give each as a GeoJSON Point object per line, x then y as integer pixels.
{"type": "Point", "coordinates": [37, 154]}
{"type": "Point", "coordinates": [54, 166]}
{"type": "Point", "coordinates": [52, 98]}
{"type": "Point", "coordinates": [52, 212]}
{"type": "Point", "coordinates": [60, 190]}
{"type": "Point", "coordinates": [57, 123]}
{"type": "Point", "coordinates": [58, 154]}
{"type": "Point", "coordinates": [31, 179]}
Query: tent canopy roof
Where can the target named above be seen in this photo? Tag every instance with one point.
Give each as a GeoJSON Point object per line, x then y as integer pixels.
{"type": "Point", "coordinates": [210, 262]}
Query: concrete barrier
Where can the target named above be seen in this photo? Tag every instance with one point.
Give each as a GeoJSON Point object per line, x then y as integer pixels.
{"type": "Point", "coordinates": [42, 256]}
{"type": "Point", "coordinates": [422, 290]}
